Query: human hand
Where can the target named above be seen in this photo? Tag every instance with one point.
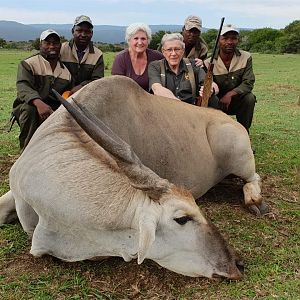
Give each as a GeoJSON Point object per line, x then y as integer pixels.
{"type": "Point", "coordinates": [214, 89]}
{"type": "Point", "coordinates": [225, 102]}
{"type": "Point", "coordinates": [198, 62]}
{"type": "Point", "coordinates": [43, 109]}
{"type": "Point", "coordinates": [201, 90]}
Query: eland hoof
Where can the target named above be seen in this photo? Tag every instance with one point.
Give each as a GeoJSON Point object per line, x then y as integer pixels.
{"type": "Point", "coordinates": [259, 209]}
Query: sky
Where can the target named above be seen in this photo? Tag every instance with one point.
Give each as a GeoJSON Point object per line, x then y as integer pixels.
{"type": "Point", "coordinates": [244, 14]}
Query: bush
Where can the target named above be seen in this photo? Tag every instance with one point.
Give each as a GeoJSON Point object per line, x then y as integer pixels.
{"type": "Point", "coordinates": [2, 43]}
{"type": "Point", "coordinates": [156, 39]}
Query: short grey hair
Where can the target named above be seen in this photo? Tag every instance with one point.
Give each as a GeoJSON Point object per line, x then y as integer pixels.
{"type": "Point", "coordinates": [132, 29]}
{"type": "Point", "coordinates": [172, 37]}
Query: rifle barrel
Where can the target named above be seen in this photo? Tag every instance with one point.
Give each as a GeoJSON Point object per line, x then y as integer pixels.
{"type": "Point", "coordinates": [217, 40]}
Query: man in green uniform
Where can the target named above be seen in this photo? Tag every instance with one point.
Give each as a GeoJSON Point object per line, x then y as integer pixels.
{"type": "Point", "coordinates": [82, 58]}
{"type": "Point", "coordinates": [195, 46]}
{"type": "Point", "coordinates": [37, 76]}
{"type": "Point", "coordinates": [233, 73]}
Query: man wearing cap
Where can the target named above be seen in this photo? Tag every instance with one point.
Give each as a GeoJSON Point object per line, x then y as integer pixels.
{"type": "Point", "coordinates": [37, 76]}
{"type": "Point", "coordinates": [233, 73]}
{"type": "Point", "coordinates": [82, 58]}
{"type": "Point", "coordinates": [195, 46]}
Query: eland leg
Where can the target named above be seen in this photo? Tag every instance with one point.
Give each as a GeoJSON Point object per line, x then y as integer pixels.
{"type": "Point", "coordinates": [7, 208]}
{"type": "Point", "coordinates": [252, 196]}
{"type": "Point", "coordinates": [27, 216]}
{"type": "Point", "coordinates": [231, 147]}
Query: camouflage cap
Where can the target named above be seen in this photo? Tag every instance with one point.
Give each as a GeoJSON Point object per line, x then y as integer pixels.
{"type": "Point", "coordinates": [81, 19]}
{"type": "Point", "coordinates": [193, 22]}
{"type": "Point", "coordinates": [229, 27]}
{"type": "Point", "coordinates": [46, 33]}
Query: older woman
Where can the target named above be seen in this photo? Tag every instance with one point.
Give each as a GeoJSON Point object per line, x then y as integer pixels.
{"type": "Point", "coordinates": [133, 62]}
{"type": "Point", "coordinates": [174, 76]}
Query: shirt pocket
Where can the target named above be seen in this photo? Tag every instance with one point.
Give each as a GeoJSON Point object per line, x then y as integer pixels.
{"type": "Point", "coordinates": [185, 85]}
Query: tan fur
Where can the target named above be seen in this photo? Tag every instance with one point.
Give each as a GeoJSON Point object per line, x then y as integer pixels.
{"type": "Point", "coordinates": [191, 146]}
{"type": "Point", "coordinates": [75, 201]}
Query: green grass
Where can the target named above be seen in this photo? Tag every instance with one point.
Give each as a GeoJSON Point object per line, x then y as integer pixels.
{"type": "Point", "coordinates": [9, 63]}
{"type": "Point", "coordinates": [108, 61]}
{"type": "Point", "coordinates": [270, 246]}
{"type": "Point", "coordinates": [276, 129]}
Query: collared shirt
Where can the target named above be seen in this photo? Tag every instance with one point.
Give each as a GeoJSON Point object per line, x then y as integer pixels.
{"type": "Point", "coordinates": [239, 77]}
{"type": "Point", "coordinates": [90, 67]}
{"type": "Point", "coordinates": [80, 54]}
{"type": "Point", "coordinates": [36, 79]}
{"type": "Point", "coordinates": [180, 84]}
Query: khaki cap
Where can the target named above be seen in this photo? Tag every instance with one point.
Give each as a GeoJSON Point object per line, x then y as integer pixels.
{"type": "Point", "coordinates": [229, 27]}
{"type": "Point", "coordinates": [193, 22]}
{"type": "Point", "coordinates": [81, 19]}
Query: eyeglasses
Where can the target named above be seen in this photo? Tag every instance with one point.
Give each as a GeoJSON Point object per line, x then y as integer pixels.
{"type": "Point", "coordinates": [170, 50]}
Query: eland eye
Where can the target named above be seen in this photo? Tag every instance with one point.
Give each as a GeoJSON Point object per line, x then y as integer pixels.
{"type": "Point", "coordinates": [183, 220]}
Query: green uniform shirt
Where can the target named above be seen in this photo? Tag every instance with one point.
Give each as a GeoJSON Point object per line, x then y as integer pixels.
{"type": "Point", "coordinates": [35, 79]}
{"type": "Point", "coordinates": [180, 84]}
{"type": "Point", "coordinates": [90, 68]}
{"type": "Point", "coordinates": [239, 77]}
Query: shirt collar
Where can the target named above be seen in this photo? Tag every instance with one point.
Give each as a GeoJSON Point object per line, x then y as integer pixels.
{"type": "Point", "coordinates": [90, 46]}
{"type": "Point", "coordinates": [58, 61]}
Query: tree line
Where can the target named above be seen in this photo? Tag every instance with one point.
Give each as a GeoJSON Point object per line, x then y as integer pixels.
{"type": "Point", "coordinates": [264, 40]}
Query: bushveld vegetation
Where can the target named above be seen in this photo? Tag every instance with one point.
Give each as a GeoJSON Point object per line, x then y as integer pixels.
{"type": "Point", "coordinates": [270, 245]}
{"type": "Point", "coordinates": [264, 40]}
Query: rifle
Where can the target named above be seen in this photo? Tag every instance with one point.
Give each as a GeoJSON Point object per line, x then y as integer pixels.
{"type": "Point", "coordinates": [203, 101]}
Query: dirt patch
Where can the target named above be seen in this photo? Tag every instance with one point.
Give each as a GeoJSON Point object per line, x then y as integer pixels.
{"type": "Point", "coordinates": [230, 190]}
{"type": "Point", "coordinates": [6, 163]}
{"type": "Point", "coordinates": [112, 277]}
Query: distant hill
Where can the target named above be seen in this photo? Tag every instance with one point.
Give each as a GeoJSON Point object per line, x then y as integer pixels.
{"type": "Point", "coordinates": [14, 31]}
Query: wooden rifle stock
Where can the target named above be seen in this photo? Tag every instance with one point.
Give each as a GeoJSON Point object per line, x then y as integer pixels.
{"type": "Point", "coordinates": [207, 86]}
{"type": "Point", "coordinates": [208, 80]}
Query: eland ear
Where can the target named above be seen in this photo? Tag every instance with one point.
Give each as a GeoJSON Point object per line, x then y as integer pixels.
{"type": "Point", "coordinates": [154, 191]}
{"type": "Point", "coordinates": [147, 228]}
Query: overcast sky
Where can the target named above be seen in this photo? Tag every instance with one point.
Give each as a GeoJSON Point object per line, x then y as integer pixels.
{"type": "Point", "coordinates": [246, 14]}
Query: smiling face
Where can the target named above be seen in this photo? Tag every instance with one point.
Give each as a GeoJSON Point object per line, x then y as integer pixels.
{"type": "Point", "coordinates": [228, 42]}
{"type": "Point", "coordinates": [50, 47]}
{"type": "Point", "coordinates": [173, 52]}
{"type": "Point", "coordinates": [139, 42]}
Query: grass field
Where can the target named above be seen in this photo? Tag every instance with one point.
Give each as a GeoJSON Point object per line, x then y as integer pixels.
{"type": "Point", "coordinates": [270, 245]}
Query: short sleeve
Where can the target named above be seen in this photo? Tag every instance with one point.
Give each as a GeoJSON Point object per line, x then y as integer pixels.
{"type": "Point", "coordinates": [154, 73]}
{"type": "Point", "coordinates": [118, 67]}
